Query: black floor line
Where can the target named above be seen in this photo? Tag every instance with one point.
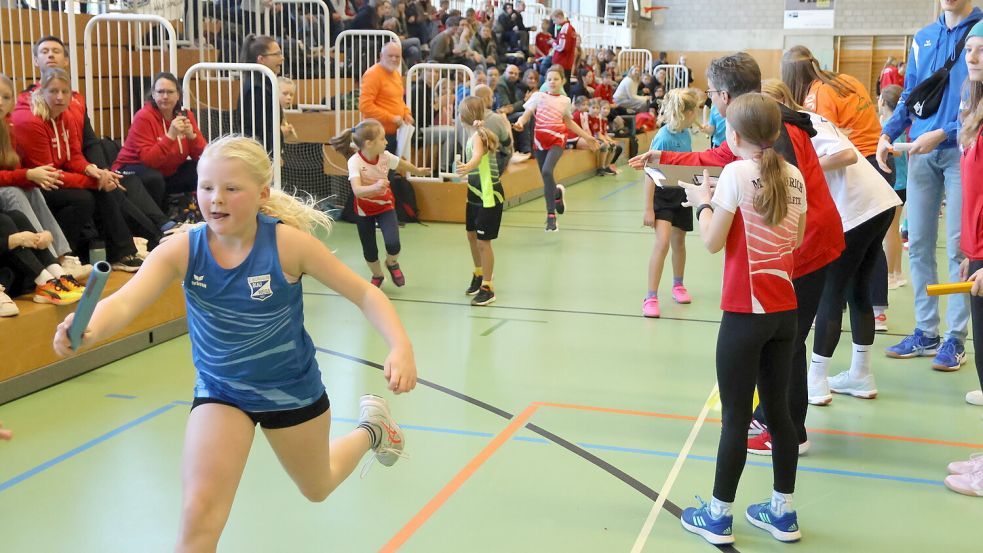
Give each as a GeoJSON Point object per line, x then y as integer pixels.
{"type": "Point", "coordinates": [648, 492]}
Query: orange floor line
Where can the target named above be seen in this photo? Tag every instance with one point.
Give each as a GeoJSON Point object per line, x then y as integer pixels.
{"type": "Point", "coordinates": [619, 411]}
{"type": "Point", "coordinates": [448, 490]}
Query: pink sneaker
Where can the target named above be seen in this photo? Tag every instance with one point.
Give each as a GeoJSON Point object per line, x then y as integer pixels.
{"type": "Point", "coordinates": [650, 308]}
{"type": "Point", "coordinates": [680, 294]}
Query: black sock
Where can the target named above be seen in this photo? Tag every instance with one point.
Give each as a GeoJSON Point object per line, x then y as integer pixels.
{"type": "Point", "coordinates": [374, 436]}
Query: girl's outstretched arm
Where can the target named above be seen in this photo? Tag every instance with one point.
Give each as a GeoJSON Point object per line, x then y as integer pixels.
{"type": "Point", "coordinates": [302, 253]}
{"type": "Point", "coordinates": [164, 264]}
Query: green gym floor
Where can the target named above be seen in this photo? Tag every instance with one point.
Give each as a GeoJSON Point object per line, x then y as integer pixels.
{"type": "Point", "coordinates": [550, 421]}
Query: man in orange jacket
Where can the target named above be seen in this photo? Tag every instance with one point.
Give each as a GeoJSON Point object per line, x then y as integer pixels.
{"type": "Point", "coordinates": [382, 94]}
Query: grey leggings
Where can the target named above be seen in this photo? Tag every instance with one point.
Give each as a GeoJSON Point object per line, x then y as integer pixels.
{"type": "Point", "coordinates": [547, 162]}
{"type": "Point", "coordinates": [30, 202]}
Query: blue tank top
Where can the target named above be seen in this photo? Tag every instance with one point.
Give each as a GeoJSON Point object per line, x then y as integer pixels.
{"type": "Point", "coordinates": [246, 325]}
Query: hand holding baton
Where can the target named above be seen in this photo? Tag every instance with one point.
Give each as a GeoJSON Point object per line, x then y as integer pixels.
{"type": "Point", "coordinates": [86, 306]}
{"type": "Point", "coordinates": [950, 288]}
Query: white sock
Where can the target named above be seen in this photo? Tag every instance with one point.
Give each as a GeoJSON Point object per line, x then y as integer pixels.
{"type": "Point", "coordinates": [56, 270]}
{"type": "Point", "coordinates": [720, 508]}
{"type": "Point", "coordinates": [819, 367]}
{"type": "Point", "coordinates": [878, 311]}
{"type": "Point", "coordinates": [781, 503]}
{"type": "Point", "coordinates": [860, 366]}
{"type": "Point", "coordinates": [43, 277]}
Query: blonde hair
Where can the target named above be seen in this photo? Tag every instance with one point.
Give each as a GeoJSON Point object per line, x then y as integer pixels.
{"type": "Point", "coordinates": [354, 139]}
{"type": "Point", "coordinates": [8, 156]}
{"type": "Point", "coordinates": [286, 81]}
{"type": "Point", "coordinates": [39, 106]}
{"type": "Point", "coordinates": [676, 103]}
{"type": "Point", "coordinates": [780, 92]}
{"type": "Point", "coordinates": [472, 114]}
{"type": "Point", "coordinates": [295, 212]}
{"type": "Point", "coordinates": [758, 120]}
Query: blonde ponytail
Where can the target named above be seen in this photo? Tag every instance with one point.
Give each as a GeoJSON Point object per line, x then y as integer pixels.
{"type": "Point", "coordinates": [295, 212]}
{"type": "Point", "coordinates": [675, 105]}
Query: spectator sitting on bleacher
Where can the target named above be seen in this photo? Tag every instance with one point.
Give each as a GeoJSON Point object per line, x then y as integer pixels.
{"type": "Point", "coordinates": [506, 28]}
{"type": "Point", "coordinates": [371, 15]}
{"type": "Point", "coordinates": [340, 12]}
{"type": "Point", "coordinates": [626, 96]}
{"type": "Point", "coordinates": [25, 252]}
{"type": "Point", "coordinates": [382, 94]}
{"type": "Point", "coordinates": [543, 43]}
{"type": "Point", "coordinates": [529, 84]}
{"type": "Point", "coordinates": [585, 85]}
{"type": "Point", "coordinates": [462, 45]}
{"type": "Point", "coordinates": [20, 189]}
{"type": "Point", "coordinates": [485, 46]}
{"type": "Point", "coordinates": [257, 99]}
{"type": "Point", "coordinates": [442, 47]}
{"type": "Point", "coordinates": [163, 145]}
{"type": "Point", "coordinates": [498, 124]}
{"type": "Point", "coordinates": [510, 102]}
{"type": "Point", "coordinates": [416, 19]}
{"type": "Point", "coordinates": [46, 134]}
{"type": "Point", "coordinates": [411, 46]}
{"type": "Point", "coordinates": [520, 26]}
{"type": "Point", "coordinates": [493, 77]}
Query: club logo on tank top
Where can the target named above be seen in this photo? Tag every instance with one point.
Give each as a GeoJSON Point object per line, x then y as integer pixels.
{"type": "Point", "coordinates": [259, 287]}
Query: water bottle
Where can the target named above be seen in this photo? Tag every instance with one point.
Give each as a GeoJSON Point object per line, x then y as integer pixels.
{"type": "Point", "coordinates": [97, 251]}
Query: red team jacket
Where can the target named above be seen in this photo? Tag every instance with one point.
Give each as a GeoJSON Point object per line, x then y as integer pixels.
{"type": "Point", "coordinates": [147, 143]}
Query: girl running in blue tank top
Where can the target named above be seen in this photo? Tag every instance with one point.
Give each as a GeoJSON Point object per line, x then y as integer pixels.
{"type": "Point", "coordinates": [255, 362]}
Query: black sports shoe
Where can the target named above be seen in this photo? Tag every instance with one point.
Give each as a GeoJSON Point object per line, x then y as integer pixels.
{"type": "Point", "coordinates": [475, 285]}
{"type": "Point", "coordinates": [551, 223]}
{"type": "Point", "coordinates": [128, 264]}
{"type": "Point", "coordinates": [560, 200]}
{"type": "Point", "coordinates": [484, 297]}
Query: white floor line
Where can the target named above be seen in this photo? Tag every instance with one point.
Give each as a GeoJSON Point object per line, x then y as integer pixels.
{"type": "Point", "coordinates": [646, 530]}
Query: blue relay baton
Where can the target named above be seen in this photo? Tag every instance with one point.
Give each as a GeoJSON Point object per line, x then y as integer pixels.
{"type": "Point", "coordinates": [93, 289]}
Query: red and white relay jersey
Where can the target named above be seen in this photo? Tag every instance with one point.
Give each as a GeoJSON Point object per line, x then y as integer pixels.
{"type": "Point", "coordinates": [550, 110]}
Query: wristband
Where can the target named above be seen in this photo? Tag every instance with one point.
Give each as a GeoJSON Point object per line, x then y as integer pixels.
{"type": "Point", "coordinates": [700, 208]}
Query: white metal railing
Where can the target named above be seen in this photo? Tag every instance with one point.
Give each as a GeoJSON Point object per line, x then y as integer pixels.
{"type": "Point", "coordinates": [213, 92]}
{"type": "Point", "coordinates": [634, 57]}
{"type": "Point", "coordinates": [433, 93]}
{"type": "Point", "coordinates": [26, 27]}
{"type": "Point", "coordinates": [122, 54]}
{"type": "Point", "coordinates": [354, 53]}
{"type": "Point", "coordinates": [677, 76]}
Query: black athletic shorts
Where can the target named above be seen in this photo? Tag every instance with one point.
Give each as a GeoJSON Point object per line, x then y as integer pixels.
{"type": "Point", "coordinates": [902, 194]}
{"type": "Point", "coordinates": [276, 419]}
{"type": "Point", "coordinates": [668, 207]}
{"type": "Point", "coordinates": [484, 221]}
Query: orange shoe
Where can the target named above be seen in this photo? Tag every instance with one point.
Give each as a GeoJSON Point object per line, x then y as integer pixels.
{"type": "Point", "coordinates": [69, 283]}
{"type": "Point", "coordinates": [55, 293]}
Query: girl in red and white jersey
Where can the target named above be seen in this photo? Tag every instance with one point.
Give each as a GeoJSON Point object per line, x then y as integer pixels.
{"type": "Point", "coordinates": [757, 215]}
{"type": "Point", "coordinates": [553, 117]}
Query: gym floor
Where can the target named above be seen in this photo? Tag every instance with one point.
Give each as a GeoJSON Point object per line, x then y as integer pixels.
{"type": "Point", "coordinates": [550, 421]}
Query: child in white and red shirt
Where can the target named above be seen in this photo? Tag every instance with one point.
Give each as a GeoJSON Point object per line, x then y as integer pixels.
{"type": "Point", "coordinates": [553, 117]}
{"type": "Point", "coordinates": [369, 165]}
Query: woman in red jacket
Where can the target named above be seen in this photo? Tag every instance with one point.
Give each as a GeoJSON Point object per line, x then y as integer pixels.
{"type": "Point", "coordinates": [164, 143]}
{"type": "Point", "coordinates": [46, 135]}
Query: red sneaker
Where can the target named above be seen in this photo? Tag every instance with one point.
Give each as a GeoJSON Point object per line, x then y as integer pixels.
{"type": "Point", "coordinates": [760, 444]}
{"type": "Point", "coordinates": [377, 281]}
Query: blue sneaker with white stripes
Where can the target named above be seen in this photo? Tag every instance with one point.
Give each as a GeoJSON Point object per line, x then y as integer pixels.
{"type": "Point", "coordinates": [782, 528]}
{"type": "Point", "coordinates": [718, 531]}
{"type": "Point", "coordinates": [915, 345]}
{"type": "Point", "coordinates": [950, 357]}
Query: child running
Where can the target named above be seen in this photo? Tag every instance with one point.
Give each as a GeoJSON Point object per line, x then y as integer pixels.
{"type": "Point", "coordinates": [486, 197]}
{"type": "Point", "coordinates": [664, 210]}
{"type": "Point", "coordinates": [255, 362]}
{"type": "Point", "coordinates": [553, 118]}
{"type": "Point", "coordinates": [369, 165]}
{"type": "Point", "coordinates": [761, 220]}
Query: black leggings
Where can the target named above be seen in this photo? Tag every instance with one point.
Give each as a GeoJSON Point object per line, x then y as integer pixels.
{"type": "Point", "coordinates": [878, 283]}
{"type": "Point", "coordinates": [976, 311]}
{"type": "Point", "coordinates": [618, 150]}
{"type": "Point", "coordinates": [184, 180]}
{"type": "Point", "coordinates": [74, 207]}
{"type": "Point", "coordinates": [547, 163]}
{"type": "Point", "coordinates": [27, 263]}
{"type": "Point", "coordinates": [755, 349]}
{"type": "Point", "coordinates": [390, 234]}
{"type": "Point", "coordinates": [808, 291]}
{"type": "Point", "coordinates": [849, 282]}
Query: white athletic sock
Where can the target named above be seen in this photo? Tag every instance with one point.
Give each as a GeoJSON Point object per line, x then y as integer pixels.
{"type": "Point", "coordinates": [720, 508]}
{"type": "Point", "coordinates": [819, 367]}
{"type": "Point", "coordinates": [56, 270]}
{"type": "Point", "coordinates": [43, 276]}
{"type": "Point", "coordinates": [781, 503]}
{"type": "Point", "coordinates": [860, 366]}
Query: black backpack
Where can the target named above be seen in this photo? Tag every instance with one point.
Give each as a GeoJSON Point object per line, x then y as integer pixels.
{"type": "Point", "coordinates": [406, 209]}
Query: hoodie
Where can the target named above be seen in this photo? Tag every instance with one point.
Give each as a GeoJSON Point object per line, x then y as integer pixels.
{"type": "Point", "coordinates": [823, 241]}
{"type": "Point", "coordinates": [971, 238]}
{"type": "Point", "coordinates": [56, 142]}
{"type": "Point", "coordinates": [147, 143]}
{"type": "Point", "coordinates": [17, 175]}
{"type": "Point", "coordinates": [930, 49]}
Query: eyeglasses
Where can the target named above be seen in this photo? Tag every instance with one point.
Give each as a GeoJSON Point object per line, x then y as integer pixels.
{"type": "Point", "coordinates": [710, 91]}
{"type": "Point", "coordinates": [273, 55]}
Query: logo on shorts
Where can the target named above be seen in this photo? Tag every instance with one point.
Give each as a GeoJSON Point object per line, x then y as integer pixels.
{"type": "Point", "coordinates": [259, 287]}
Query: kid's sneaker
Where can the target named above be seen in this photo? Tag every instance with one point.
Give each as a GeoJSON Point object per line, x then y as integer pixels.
{"type": "Point", "coordinates": [475, 285]}
{"type": "Point", "coordinates": [484, 296]}
{"type": "Point", "coordinates": [718, 531]}
{"type": "Point", "coordinates": [561, 196]}
{"type": "Point", "coordinates": [374, 412]}
{"type": "Point", "coordinates": [551, 223]}
{"type": "Point", "coordinates": [680, 294]}
{"type": "Point", "coordinates": [974, 464]}
{"type": "Point", "coordinates": [782, 528]}
{"type": "Point", "coordinates": [377, 281]}
{"type": "Point", "coordinates": [915, 345]}
{"type": "Point", "coordinates": [864, 388]}
{"type": "Point", "coordinates": [966, 484]}
{"type": "Point", "coordinates": [397, 274]}
{"type": "Point", "coordinates": [650, 307]}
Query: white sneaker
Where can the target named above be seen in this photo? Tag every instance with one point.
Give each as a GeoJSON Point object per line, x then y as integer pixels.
{"type": "Point", "coordinates": [974, 464]}
{"type": "Point", "coordinates": [966, 484]}
{"type": "Point", "coordinates": [74, 267]}
{"type": "Point", "coordinates": [975, 397]}
{"type": "Point", "coordinates": [374, 411]}
{"type": "Point", "coordinates": [804, 447]}
{"type": "Point", "coordinates": [141, 245]}
{"type": "Point", "coordinates": [864, 388]}
{"type": "Point", "coordinates": [755, 428]}
{"type": "Point", "coordinates": [519, 157]}
{"type": "Point", "coordinates": [819, 391]}
{"type": "Point", "coordinates": [892, 282]}
{"type": "Point", "coordinates": [7, 306]}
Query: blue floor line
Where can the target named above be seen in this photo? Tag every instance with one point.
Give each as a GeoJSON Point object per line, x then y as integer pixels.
{"type": "Point", "coordinates": [616, 190]}
{"type": "Point", "coordinates": [120, 396]}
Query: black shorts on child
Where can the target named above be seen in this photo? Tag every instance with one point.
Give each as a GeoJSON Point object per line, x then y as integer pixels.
{"type": "Point", "coordinates": [276, 419]}
{"type": "Point", "coordinates": [668, 206]}
{"type": "Point", "coordinates": [484, 221]}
